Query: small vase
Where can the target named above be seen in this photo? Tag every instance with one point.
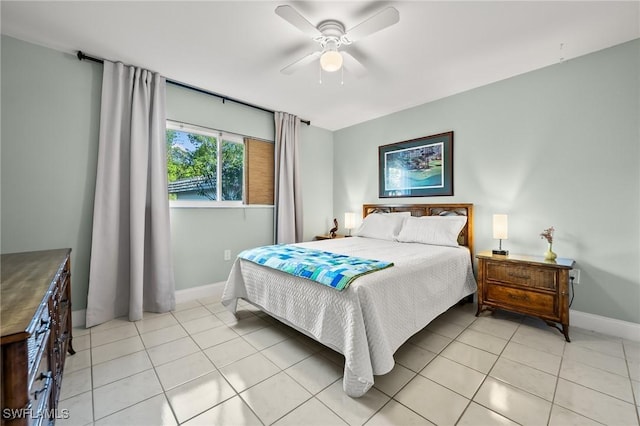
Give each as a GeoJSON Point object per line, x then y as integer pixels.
{"type": "Point", "coordinates": [549, 254]}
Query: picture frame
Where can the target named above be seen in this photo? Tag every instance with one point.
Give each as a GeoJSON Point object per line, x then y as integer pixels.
{"type": "Point", "coordinates": [421, 167]}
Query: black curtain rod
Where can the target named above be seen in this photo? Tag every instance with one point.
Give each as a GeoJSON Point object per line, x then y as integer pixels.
{"type": "Point", "coordinates": [224, 98]}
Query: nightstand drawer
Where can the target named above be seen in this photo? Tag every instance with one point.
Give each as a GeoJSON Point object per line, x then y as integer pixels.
{"type": "Point", "coordinates": [528, 276]}
{"type": "Point", "coordinates": [540, 303]}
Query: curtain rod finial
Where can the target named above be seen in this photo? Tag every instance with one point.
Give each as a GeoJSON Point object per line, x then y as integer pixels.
{"type": "Point", "coordinates": [80, 55]}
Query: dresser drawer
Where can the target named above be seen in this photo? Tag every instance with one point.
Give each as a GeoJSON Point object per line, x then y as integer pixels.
{"type": "Point", "coordinates": [527, 276]}
{"type": "Point", "coordinates": [39, 339]}
{"type": "Point", "coordinates": [41, 380]}
{"type": "Point", "coordinates": [522, 300]}
{"type": "Point", "coordinates": [40, 391]}
{"type": "Point", "coordinates": [42, 409]}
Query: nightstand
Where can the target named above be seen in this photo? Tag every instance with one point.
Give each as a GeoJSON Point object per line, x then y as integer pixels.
{"type": "Point", "coordinates": [529, 285]}
{"type": "Point", "coordinates": [328, 237]}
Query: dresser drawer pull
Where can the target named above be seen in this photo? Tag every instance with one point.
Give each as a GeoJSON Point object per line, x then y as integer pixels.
{"type": "Point", "coordinates": [519, 297]}
{"type": "Point", "coordinates": [519, 275]}
{"type": "Point", "coordinates": [44, 326]}
{"type": "Point", "coordinates": [44, 375]}
{"type": "Point", "coordinates": [39, 391]}
{"type": "Point", "coordinates": [43, 390]}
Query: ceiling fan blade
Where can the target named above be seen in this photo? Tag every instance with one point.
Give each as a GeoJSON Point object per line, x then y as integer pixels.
{"type": "Point", "coordinates": [292, 16]}
{"type": "Point", "coordinates": [381, 20]}
{"type": "Point", "coordinates": [291, 68]}
{"type": "Point", "coordinates": [353, 65]}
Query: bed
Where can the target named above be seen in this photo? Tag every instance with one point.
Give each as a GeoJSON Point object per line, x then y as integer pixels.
{"type": "Point", "coordinates": [369, 320]}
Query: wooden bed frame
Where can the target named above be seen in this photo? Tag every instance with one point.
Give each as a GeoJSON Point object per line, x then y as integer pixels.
{"type": "Point", "coordinates": [462, 209]}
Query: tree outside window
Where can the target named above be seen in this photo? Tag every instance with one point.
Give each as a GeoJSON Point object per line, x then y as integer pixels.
{"type": "Point", "coordinates": [198, 158]}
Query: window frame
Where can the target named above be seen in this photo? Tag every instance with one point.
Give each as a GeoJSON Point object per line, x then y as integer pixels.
{"type": "Point", "coordinates": [220, 137]}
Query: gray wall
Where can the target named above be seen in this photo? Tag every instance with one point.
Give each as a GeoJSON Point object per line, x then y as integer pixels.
{"type": "Point", "coordinates": [558, 146]}
{"type": "Point", "coordinates": [50, 118]}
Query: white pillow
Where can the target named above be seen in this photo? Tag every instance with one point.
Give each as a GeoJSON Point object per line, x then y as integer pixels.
{"type": "Point", "coordinates": [382, 226]}
{"type": "Point", "coordinates": [436, 230]}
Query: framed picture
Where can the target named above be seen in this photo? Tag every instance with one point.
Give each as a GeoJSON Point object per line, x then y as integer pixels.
{"type": "Point", "coordinates": [420, 167]}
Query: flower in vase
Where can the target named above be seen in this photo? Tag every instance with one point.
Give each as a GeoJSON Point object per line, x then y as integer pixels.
{"type": "Point", "coordinates": [548, 234]}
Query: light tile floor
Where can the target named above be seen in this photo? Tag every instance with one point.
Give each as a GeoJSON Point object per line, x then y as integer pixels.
{"type": "Point", "coordinates": [200, 365]}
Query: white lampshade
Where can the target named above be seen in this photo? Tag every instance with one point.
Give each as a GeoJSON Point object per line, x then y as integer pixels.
{"type": "Point", "coordinates": [500, 227]}
{"type": "Point", "coordinates": [349, 220]}
{"type": "Point", "coordinates": [331, 61]}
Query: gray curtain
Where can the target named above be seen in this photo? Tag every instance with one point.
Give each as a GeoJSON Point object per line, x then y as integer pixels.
{"type": "Point", "coordinates": [131, 269]}
{"type": "Point", "coordinates": [288, 192]}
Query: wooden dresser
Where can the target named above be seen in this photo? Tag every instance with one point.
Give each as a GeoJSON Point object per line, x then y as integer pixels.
{"type": "Point", "coordinates": [35, 321]}
{"type": "Point", "coordinates": [526, 284]}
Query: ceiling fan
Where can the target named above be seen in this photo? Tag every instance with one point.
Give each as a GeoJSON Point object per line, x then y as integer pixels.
{"type": "Point", "coordinates": [331, 35]}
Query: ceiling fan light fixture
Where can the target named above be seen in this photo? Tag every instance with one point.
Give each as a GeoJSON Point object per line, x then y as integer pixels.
{"type": "Point", "coordinates": [331, 61]}
{"type": "Point", "coordinates": [330, 34]}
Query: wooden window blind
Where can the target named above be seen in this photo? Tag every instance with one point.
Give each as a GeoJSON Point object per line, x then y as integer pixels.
{"type": "Point", "coordinates": [259, 171]}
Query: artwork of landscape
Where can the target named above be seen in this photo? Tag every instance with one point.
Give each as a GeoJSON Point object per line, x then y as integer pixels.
{"type": "Point", "coordinates": [414, 168]}
{"type": "Point", "coordinates": [421, 167]}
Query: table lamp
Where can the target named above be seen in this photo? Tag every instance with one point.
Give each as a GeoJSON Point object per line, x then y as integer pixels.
{"type": "Point", "coordinates": [500, 232]}
{"type": "Point", "coordinates": [349, 221]}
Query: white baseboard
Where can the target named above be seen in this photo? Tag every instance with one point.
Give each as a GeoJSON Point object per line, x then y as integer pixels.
{"type": "Point", "coordinates": [78, 318]}
{"type": "Point", "coordinates": [611, 326]}
{"type": "Point", "coordinates": [200, 292]}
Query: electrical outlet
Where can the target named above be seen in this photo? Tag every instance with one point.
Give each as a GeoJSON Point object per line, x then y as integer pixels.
{"type": "Point", "coordinates": [575, 273]}
{"type": "Point", "coordinates": [227, 254]}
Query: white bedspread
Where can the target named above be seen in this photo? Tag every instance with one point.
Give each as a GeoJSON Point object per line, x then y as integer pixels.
{"type": "Point", "coordinates": [375, 315]}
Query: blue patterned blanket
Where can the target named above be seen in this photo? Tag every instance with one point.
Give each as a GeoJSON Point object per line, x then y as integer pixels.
{"type": "Point", "coordinates": [331, 269]}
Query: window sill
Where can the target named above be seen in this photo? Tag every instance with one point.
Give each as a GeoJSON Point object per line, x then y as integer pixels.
{"type": "Point", "coordinates": [215, 205]}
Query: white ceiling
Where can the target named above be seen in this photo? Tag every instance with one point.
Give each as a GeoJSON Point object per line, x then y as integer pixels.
{"type": "Point", "coordinates": [237, 48]}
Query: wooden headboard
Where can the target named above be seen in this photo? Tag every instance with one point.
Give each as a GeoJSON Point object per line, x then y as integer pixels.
{"type": "Point", "coordinates": [466, 235]}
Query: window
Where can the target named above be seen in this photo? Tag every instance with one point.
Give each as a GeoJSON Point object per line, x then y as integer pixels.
{"type": "Point", "coordinates": [204, 164]}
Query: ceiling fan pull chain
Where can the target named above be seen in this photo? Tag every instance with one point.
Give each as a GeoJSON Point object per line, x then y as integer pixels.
{"type": "Point", "coordinates": [342, 76]}
{"type": "Point", "coordinates": [320, 72]}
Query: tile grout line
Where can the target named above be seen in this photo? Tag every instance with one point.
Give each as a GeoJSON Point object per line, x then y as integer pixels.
{"type": "Point", "coordinates": [314, 395]}
{"type": "Point", "coordinates": [636, 401]}
{"type": "Point", "coordinates": [212, 363]}
{"type": "Point", "coordinates": [236, 393]}
{"type": "Point", "coordinates": [393, 398]}
{"type": "Point", "coordinates": [471, 400]}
